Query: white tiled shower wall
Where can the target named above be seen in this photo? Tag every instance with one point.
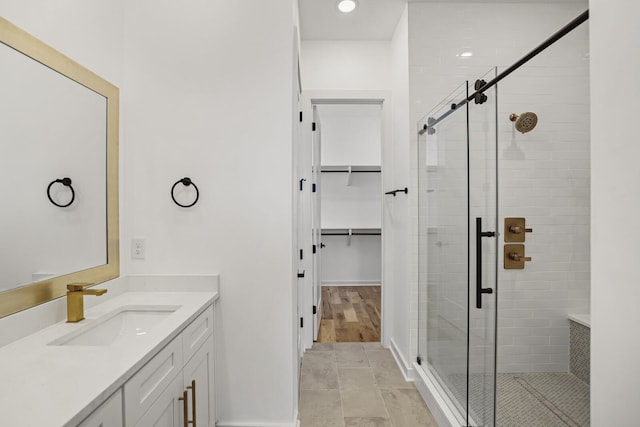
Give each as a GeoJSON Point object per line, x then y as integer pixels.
{"type": "Point", "coordinates": [543, 175]}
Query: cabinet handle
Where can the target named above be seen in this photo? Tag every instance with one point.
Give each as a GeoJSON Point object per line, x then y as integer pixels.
{"type": "Point", "coordinates": [185, 408]}
{"type": "Point", "coordinates": [193, 402]}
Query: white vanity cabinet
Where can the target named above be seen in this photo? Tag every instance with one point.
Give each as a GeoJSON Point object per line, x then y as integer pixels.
{"type": "Point", "coordinates": [109, 414]}
{"type": "Point", "coordinates": [161, 347]}
{"type": "Point", "coordinates": [175, 387]}
{"type": "Point", "coordinates": [190, 393]}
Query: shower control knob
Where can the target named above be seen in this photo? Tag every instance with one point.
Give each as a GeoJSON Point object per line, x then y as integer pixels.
{"type": "Point", "coordinates": [517, 257]}
{"type": "Point", "coordinates": [517, 229]}
{"type": "Point", "coordinates": [514, 258]}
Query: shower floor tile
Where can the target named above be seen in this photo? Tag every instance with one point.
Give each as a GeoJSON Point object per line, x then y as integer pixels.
{"type": "Point", "coordinates": [542, 399]}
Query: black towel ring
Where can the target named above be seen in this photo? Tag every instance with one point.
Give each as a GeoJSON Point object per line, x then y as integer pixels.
{"type": "Point", "coordinates": [67, 183]}
{"type": "Point", "coordinates": [186, 182]}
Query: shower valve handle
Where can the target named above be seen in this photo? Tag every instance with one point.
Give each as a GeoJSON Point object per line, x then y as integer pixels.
{"type": "Point", "coordinates": [518, 230]}
{"type": "Point", "coordinates": [517, 257]}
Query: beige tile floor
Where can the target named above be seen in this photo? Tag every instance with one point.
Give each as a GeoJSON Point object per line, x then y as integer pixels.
{"type": "Point", "coordinates": [357, 385]}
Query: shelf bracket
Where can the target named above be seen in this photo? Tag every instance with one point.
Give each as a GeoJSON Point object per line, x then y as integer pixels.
{"type": "Point", "coordinates": [349, 237]}
{"type": "Point", "coordinates": [349, 176]}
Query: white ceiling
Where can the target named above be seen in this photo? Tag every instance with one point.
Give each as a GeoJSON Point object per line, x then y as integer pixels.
{"type": "Point", "coordinates": [372, 20]}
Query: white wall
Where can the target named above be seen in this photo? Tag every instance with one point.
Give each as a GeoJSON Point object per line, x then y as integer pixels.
{"type": "Point", "coordinates": [352, 70]}
{"type": "Point", "coordinates": [357, 65]}
{"type": "Point", "coordinates": [350, 134]}
{"type": "Point", "coordinates": [543, 175]}
{"type": "Point", "coordinates": [396, 209]}
{"type": "Point", "coordinates": [60, 24]}
{"type": "Point", "coordinates": [351, 261]}
{"type": "Point", "coordinates": [356, 205]}
{"type": "Point", "coordinates": [208, 94]}
{"type": "Point", "coordinates": [615, 343]}
{"type": "Point", "coordinates": [205, 92]}
{"type": "Point", "coordinates": [345, 65]}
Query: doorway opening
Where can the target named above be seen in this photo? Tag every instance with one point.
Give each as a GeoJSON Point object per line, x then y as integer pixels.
{"type": "Point", "coordinates": [347, 221]}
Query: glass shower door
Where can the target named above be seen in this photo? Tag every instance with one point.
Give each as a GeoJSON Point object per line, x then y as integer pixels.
{"type": "Point", "coordinates": [457, 214]}
{"type": "Point", "coordinates": [483, 213]}
{"type": "Point", "coordinates": [444, 249]}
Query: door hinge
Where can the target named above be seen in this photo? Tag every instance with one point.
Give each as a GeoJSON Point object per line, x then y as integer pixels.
{"type": "Point", "coordinates": [313, 249]}
{"type": "Point", "coordinates": [313, 126]}
{"type": "Point", "coordinates": [315, 309]}
{"type": "Point", "coordinates": [301, 254]}
{"type": "Point", "coordinates": [313, 187]}
{"type": "Point", "coordinates": [300, 115]}
{"type": "Point", "coordinates": [419, 360]}
{"type": "Point", "coordinates": [302, 322]}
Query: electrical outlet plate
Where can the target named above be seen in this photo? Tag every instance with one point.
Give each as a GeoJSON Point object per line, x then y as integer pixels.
{"type": "Point", "coordinates": [138, 249]}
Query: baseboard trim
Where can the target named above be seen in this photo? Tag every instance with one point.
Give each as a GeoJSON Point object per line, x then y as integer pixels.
{"type": "Point", "coordinates": [407, 371]}
{"type": "Point", "coordinates": [351, 283]}
{"type": "Point", "coordinates": [295, 423]}
{"type": "Point", "coordinates": [433, 396]}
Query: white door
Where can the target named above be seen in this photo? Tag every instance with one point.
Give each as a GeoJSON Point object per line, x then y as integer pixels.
{"type": "Point", "coordinates": [302, 160]}
{"type": "Point", "coordinates": [316, 224]}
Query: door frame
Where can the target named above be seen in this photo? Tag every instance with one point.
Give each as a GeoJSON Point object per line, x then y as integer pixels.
{"type": "Point", "coordinates": [315, 97]}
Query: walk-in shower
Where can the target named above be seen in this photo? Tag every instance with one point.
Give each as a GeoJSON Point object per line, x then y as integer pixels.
{"type": "Point", "coordinates": [504, 240]}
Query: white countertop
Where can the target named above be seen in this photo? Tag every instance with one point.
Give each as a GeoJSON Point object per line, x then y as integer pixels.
{"type": "Point", "coordinates": [46, 385]}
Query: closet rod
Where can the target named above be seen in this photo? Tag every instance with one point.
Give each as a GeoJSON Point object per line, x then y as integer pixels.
{"type": "Point", "coordinates": [346, 170]}
{"type": "Point", "coordinates": [353, 234]}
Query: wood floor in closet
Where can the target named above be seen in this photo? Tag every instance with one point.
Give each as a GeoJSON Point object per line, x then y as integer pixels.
{"type": "Point", "coordinates": [350, 314]}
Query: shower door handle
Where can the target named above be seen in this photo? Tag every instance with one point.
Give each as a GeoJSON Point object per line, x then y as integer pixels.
{"type": "Point", "coordinates": [479, 235]}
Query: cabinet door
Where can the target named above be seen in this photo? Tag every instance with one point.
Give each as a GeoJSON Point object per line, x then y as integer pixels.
{"type": "Point", "coordinates": [167, 410]}
{"type": "Point", "coordinates": [151, 380]}
{"type": "Point", "coordinates": [196, 333]}
{"type": "Point", "coordinates": [199, 372]}
{"type": "Point", "coordinates": [109, 414]}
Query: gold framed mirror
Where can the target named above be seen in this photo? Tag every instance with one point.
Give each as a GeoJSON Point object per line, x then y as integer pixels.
{"type": "Point", "coordinates": [68, 232]}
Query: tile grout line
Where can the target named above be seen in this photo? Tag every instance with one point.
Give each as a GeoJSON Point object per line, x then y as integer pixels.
{"type": "Point", "coordinates": [378, 388]}
{"type": "Point", "coordinates": [335, 360]}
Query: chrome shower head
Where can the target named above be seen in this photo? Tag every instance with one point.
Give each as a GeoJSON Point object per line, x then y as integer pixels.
{"type": "Point", "coordinates": [524, 122]}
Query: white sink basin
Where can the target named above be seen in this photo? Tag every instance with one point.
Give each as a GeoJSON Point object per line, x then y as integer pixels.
{"type": "Point", "coordinates": [126, 321]}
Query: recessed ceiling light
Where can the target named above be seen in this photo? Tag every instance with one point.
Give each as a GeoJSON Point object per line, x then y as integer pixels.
{"type": "Point", "coordinates": [347, 6]}
{"type": "Point", "coordinates": [465, 54]}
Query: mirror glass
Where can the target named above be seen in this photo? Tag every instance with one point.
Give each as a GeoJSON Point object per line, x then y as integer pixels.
{"type": "Point", "coordinates": [51, 127]}
{"type": "Point", "coordinates": [57, 120]}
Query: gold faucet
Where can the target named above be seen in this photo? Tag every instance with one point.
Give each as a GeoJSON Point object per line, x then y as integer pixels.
{"type": "Point", "coordinates": [75, 300]}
